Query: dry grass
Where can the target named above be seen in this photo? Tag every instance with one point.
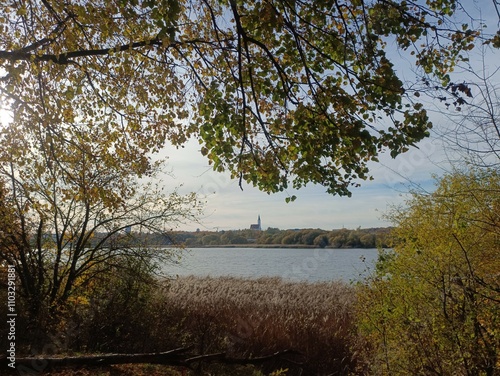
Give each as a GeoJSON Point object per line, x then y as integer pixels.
{"type": "Point", "coordinates": [257, 317]}
{"type": "Point", "coordinates": [240, 317]}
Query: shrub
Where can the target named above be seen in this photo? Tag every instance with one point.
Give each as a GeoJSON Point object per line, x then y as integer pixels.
{"type": "Point", "coordinates": [113, 314]}
{"type": "Point", "coordinates": [433, 306]}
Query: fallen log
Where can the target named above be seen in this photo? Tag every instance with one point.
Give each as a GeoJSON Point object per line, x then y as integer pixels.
{"type": "Point", "coordinates": [175, 358]}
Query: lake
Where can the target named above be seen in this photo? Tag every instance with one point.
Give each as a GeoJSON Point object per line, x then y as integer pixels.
{"type": "Point", "coordinates": [296, 264]}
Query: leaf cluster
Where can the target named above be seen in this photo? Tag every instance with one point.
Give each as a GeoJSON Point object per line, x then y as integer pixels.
{"type": "Point", "coordinates": [277, 92]}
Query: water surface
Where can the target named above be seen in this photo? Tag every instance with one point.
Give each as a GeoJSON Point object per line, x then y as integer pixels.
{"type": "Point", "coordinates": [297, 264]}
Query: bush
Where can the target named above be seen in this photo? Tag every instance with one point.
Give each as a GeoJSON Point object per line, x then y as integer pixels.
{"type": "Point", "coordinates": [433, 306]}
{"type": "Point", "coordinates": [113, 314]}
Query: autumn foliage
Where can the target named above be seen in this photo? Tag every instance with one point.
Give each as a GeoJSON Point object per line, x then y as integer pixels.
{"type": "Point", "coordinates": [278, 93]}
{"type": "Point", "coordinates": [433, 307]}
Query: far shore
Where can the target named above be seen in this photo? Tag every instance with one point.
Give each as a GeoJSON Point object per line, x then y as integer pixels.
{"type": "Point", "coordinates": [250, 245]}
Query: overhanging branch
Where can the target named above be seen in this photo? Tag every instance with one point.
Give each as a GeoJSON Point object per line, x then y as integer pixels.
{"type": "Point", "coordinates": [65, 58]}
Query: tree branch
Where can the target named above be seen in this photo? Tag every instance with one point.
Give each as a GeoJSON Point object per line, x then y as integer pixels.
{"type": "Point", "coordinates": [65, 58]}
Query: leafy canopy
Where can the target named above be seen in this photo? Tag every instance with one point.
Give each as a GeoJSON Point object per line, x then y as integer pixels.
{"type": "Point", "coordinates": [275, 91]}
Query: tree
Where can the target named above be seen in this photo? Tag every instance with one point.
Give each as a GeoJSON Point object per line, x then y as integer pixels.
{"type": "Point", "coordinates": [433, 305]}
{"type": "Point", "coordinates": [211, 239]}
{"type": "Point", "coordinates": [321, 241]}
{"type": "Point", "coordinates": [474, 131]}
{"type": "Point", "coordinates": [72, 212]}
{"type": "Point", "coordinates": [308, 236]}
{"type": "Point", "coordinates": [368, 241]}
{"type": "Point", "coordinates": [276, 91]}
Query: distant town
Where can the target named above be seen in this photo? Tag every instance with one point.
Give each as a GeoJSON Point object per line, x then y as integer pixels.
{"type": "Point", "coordinates": [254, 235]}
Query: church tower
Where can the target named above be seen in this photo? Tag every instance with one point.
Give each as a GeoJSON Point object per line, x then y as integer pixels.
{"type": "Point", "coordinates": [256, 226]}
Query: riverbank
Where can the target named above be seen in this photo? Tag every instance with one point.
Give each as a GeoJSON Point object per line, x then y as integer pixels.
{"type": "Point", "coordinates": [264, 246]}
{"type": "Point", "coordinates": [273, 237]}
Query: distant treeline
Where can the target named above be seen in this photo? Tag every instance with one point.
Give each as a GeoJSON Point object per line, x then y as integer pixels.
{"type": "Point", "coordinates": [341, 238]}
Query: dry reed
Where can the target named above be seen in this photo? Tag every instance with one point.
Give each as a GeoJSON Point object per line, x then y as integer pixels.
{"type": "Point", "coordinates": [253, 317]}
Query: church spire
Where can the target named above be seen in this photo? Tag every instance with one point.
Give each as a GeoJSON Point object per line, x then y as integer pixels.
{"type": "Point", "coordinates": [256, 226]}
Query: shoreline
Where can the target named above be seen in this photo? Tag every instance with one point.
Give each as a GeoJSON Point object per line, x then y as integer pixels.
{"type": "Point", "coordinates": [270, 246]}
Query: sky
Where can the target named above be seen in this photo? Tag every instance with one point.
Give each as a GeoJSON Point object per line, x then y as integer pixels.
{"type": "Point", "coordinates": [228, 207]}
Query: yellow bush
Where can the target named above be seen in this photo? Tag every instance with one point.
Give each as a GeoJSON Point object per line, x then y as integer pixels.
{"type": "Point", "coordinates": [433, 305]}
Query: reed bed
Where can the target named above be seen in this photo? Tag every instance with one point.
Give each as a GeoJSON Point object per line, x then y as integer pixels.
{"type": "Point", "coordinates": [255, 317]}
{"type": "Point", "coordinates": [243, 318]}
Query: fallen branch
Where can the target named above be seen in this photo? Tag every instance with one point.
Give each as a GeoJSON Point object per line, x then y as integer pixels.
{"type": "Point", "coordinates": [222, 358]}
{"type": "Point", "coordinates": [175, 358]}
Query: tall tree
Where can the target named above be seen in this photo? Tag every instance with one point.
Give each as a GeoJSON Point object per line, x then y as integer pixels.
{"type": "Point", "coordinates": [71, 211]}
{"type": "Point", "coordinates": [276, 91]}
